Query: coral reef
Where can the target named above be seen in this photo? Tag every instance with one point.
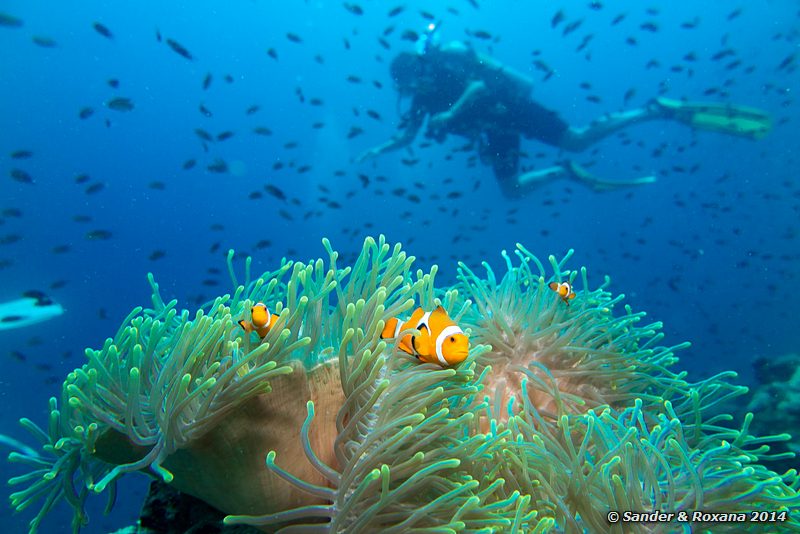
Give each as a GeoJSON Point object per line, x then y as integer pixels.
{"type": "Point", "coordinates": [561, 413]}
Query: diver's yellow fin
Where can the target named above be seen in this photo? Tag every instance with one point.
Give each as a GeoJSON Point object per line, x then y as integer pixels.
{"type": "Point", "coordinates": [731, 119]}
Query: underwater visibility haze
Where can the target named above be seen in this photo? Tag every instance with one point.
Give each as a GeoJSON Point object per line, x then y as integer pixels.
{"type": "Point", "coordinates": [216, 273]}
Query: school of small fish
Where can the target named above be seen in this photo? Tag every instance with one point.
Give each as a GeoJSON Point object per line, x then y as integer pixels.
{"type": "Point", "coordinates": [448, 207]}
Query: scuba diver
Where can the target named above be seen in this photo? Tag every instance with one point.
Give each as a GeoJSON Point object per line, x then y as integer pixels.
{"type": "Point", "coordinates": [473, 95]}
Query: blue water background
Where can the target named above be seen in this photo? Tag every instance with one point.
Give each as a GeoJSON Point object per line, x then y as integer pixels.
{"type": "Point", "coordinates": [713, 254]}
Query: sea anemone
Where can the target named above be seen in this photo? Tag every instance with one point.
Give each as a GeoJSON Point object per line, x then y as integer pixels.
{"type": "Point", "coordinates": [561, 413]}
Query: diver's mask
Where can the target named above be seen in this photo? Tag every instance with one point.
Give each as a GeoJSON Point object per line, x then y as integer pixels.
{"type": "Point", "coordinates": [426, 42]}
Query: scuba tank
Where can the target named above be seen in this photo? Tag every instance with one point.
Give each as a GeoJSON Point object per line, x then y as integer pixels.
{"type": "Point", "coordinates": [427, 41]}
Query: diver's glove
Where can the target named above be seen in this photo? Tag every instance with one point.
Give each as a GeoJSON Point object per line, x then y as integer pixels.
{"type": "Point", "coordinates": [437, 126]}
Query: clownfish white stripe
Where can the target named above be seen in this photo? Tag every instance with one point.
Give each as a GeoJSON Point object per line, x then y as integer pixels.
{"type": "Point", "coordinates": [398, 328]}
{"type": "Point", "coordinates": [424, 321]}
{"type": "Point", "coordinates": [446, 332]}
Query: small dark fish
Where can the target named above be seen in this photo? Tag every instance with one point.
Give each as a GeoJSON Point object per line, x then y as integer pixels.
{"type": "Point", "coordinates": [207, 81]}
{"type": "Point", "coordinates": [735, 13]}
{"type": "Point", "coordinates": [557, 19]}
{"type": "Point", "coordinates": [395, 11]}
{"type": "Point", "coordinates": [95, 188]}
{"type": "Point", "coordinates": [179, 49]}
{"type": "Point", "coordinates": [723, 54]}
{"type": "Point", "coordinates": [353, 79]}
{"type": "Point", "coordinates": [649, 26]}
{"type": "Point", "coordinates": [98, 235]}
{"type": "Point", "coordinates": [334, 205]}
{"type": "Point", "coordinates": [9, 21]}
{"type": "Point", "coordinates": [61, 249]}
{"type": "Point", "coordinates": [9, 239]}
{"type": "Point", "coordinates": [11, 212]}
{"type": "Point", "coordinates": [410, 35]}
{"type": "Point", "coordinates": [205, 111]}
{"type": "Point", "coordinates": [58, 284]}
{"type": "Point", "coordinates": [272, 53]}
{"type": "Point", "coordinates": [204, 135]}
{"type": "Point", "coordinates": [262, 130]}
{"type": "Point", "coordinates": [222, 136]}
{"type": "Point", "coordinates": [691, 24]}
{"type": "Point", "coordinates": [158, 35]}
{"type": "Point", "coordinates": [346, 43]}
{"type": "Point", "coordinates": [85, 113]}
{"type": "Point", "coordinates": [44, 42]}
{"type": "Point", "coordinates": [293, 37]}
{"type": "Point", "coordinates": [318, 125]}
{"type": "Point", "coordinates": [374, 114]}
{"type": "Point", "coordinates": [788, 60]}
{"type": "Point", "coordinates": [290, 145]}
{"type": "Point", "coordinates": [481, 34]}
{"type": "Point", "coordinates": [17, 355]}
{"type": "Point", "coordinates": [188, 164]}
{"type": "Point", "coordinates": [120, 103]}
{"type": "Point", "coordinates": [629, 94]}
{"type": "Point", "coordinates": [275, 192]}
{"type": "Point", "coordinates": [21, 176]}
{"type": "Point", "coordinates": [303, 169]}
{"type": "Point", "coordinates": [113, 83]}
{"type": "Point", "coordinates": [286, 215]}
{"type": "Point", "coordinates": [255, 195]}
{"type": "Point", "coordinates": [619, 18]}
{"type": "Point", "coordinates": [264, 243]}
{"type": "Point", "coordinates": [156, 255]}
{"type": "Point", "coordinates": [157, 185]}
{"type": "Point", "coordinates": [733, 64]}
{"type": "Point", "coordinates": [316, 102]}
{"type": "Point", "coordinates": [427, 15]}
{"type": "Point", "coordinates": [355, 9]}
{"type": "Point", "coordinates": [218, 166]}
{"type": "Point", "coordinates": [102, 30]}
{"type": "Point", "coordinates": [21, 154]}
{"type": "Point", "coordinates": [82, 178]}
{"type": "Point", "coordinates": [571, 27]}
{"type": "Point", "coordinates": [228, 78]}
{"type": "Point", "coordinates": [252, 110]}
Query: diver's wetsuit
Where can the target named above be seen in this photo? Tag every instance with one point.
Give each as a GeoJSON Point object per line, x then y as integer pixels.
{"type": "Point", "coordinates": [495, 120]}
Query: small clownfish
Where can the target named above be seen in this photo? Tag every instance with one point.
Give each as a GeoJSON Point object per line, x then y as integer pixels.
{"type": "Point", "coordinates": [564, 290]}
{"type": "Point", "coordinates": [440, 340]}
{"type": "Point", "coordinates": [261, 320]}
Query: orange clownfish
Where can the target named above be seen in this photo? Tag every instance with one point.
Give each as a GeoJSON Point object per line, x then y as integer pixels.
{"type": "Point", "coordinates": [440, 340]}
{"type": "Point", "coordinates": [261, 320]}
{"type": "Point", "coordinates": [564, 290]}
